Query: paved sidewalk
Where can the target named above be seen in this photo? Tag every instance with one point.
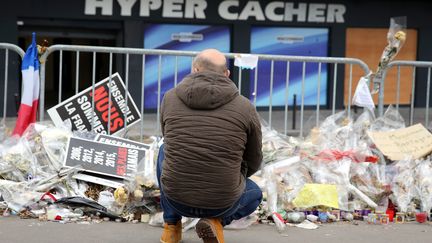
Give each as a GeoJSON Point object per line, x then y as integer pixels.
{"type": "Point", "coordinates": [15, 230]}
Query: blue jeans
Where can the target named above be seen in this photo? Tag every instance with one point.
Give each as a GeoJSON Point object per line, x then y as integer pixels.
{"type": "Point", "coordinates": [173, 211]}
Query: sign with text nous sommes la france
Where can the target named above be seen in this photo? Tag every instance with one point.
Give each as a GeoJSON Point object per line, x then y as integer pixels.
{"type": "Point", "coordinates": [91, 108]}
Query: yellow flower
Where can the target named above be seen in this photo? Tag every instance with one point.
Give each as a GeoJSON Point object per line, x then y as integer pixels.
{"type": "Point", "coordinates": [400, 35]}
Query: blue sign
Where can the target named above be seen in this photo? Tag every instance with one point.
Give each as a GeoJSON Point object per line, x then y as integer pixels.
{"type": "Point", "coordinates": [177, 37]}
{"type": "Point", "coordinates": [295, 42]}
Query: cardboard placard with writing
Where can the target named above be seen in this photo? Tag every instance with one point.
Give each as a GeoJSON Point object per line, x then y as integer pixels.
{"type": "Point", "coordinates": [412, 142]}
{"type": "Point", "coordinates": [80, 111]}
{"type": "Point", "coordinates": [105, 159]}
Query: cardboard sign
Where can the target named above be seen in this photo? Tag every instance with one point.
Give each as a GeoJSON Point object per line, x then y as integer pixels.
{"type": "Point", "coordinates": [82, 115]}
{"type": "Point", "coordinates": [105, 159]}
{"type": "Point", "coordinates": [120, 141]}
{"type": "Point", "coordinates": [407, 143]}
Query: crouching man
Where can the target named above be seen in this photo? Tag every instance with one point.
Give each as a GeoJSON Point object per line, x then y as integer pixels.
{"type": "Point", "coordinates": [212, 145]}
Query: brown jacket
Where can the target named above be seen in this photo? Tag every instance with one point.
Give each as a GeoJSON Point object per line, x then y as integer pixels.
{"type": "Point", "coordinates": [212, 141]}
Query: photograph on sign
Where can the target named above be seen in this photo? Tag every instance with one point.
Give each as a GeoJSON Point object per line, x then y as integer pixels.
{"type": "Point", "coordinates": [181, 37]}
{"type": "Point", "coordinates": [84, 116]}
{"type": "Point", "coordinates": [105, 159]}
{"type": "Point", "coordinates": [103, 138]}
{"type": "Point", "coordinates": [292, 41]}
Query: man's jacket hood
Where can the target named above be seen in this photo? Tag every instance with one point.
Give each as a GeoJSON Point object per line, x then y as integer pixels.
{"type": "Point", "coordinates": [206, 90]}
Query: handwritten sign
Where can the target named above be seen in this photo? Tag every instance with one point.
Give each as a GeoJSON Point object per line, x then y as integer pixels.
{"type": "Point", "coordinates": [412, 142]}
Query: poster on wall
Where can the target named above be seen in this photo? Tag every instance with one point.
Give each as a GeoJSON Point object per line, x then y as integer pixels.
{"type": "Point", "coordinates": [295, 42]}
{"type": "Point", "coordinates": [181, 37]}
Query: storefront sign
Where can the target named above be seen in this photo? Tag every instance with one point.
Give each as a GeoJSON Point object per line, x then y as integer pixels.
{"type": "Point", "coordinates": [276, 11]}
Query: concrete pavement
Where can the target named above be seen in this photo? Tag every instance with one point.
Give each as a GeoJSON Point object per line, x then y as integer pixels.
{"type": "Point", "coordinates": [15, 230]}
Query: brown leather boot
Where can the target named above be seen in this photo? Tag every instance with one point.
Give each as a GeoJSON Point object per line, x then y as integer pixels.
{"type": "Point", "coordinates": [210, 230]}
{"type": "Point", "coordinates": [171, 233]}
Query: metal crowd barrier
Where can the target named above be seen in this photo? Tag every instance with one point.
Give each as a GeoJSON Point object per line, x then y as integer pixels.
{"type": "Point", "coordinates": [143, 53]}
{"type": "Point", "coordinates": [7, 49]}
{"type": "Point", "coordinates": [414, 65]}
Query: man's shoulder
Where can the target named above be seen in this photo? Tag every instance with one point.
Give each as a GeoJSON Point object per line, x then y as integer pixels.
{"type": "Point", "coordinates": [244, 102]}
{"type": "Point", "coordinates": [170, 94]}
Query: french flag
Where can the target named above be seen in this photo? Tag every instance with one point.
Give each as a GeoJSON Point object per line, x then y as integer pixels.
{"type": "Point", "coordinates": [30, 92]}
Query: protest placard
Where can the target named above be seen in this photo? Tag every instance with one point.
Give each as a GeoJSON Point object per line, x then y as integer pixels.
{"type": "Point", "coordinates": [103, 138]}
{"type": "Point", "coordinates": [105, 159]}
{"type": "Point", "coordinates": [86, 110]}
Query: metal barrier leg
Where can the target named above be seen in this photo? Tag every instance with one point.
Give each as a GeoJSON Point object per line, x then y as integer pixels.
{"type": "Point", "coordinates": [302, 98]}
{"type": "Point", "coordinates": [286, 97]}
{"type": "Point", "coordinates": [271, 92]}
{"type": "Point", "coordinates": [318, 95]}
{"type": "Point", "coordinates": [5, 85]}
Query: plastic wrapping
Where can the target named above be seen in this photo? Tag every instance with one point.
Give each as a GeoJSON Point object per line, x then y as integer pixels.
{"type": "Point", "coordinates": [423, 184]}
{"type": "Point", "coordinates": [391, 120]}
{"type": "Point", "coordinates": [34, 156]}
{"type": "Point", "coordinates": [370, 179]}
{"type": "Point", "coordinates": [242, 223]}
{"type": "Point", "coordinates": [333, 172]}
{"type": "Point", "coordinates": [31, 166]}
{"type": "Point", "coordinates": [276, 146]}
{"type": "Point", "coordinates": [403, 185]}
{"type": "Point", "coordinates": [146, 170]}
{"type": "Point", "coordinates": [335, 133]}
{"type": "Point", "coordinates": [292, 182]}
{"type": "Point", "coordinates": [396, 37]}
{"type": "Point", "coordinates": [271, 188]}
{"type": "Point", "coordinates": [55, 141]}
{"type": "Point", "coordinates": [3, 131]}
{"type": "Point", "coordinates": [140, 189]}
{"type": "Point", "coordinates": [18, 195]}
{"type": "Point", "coordinates": [17, 161]}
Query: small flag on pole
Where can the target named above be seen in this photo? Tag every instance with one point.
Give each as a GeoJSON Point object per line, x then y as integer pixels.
{"type": "Point", "coordinates": [30, 91]}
